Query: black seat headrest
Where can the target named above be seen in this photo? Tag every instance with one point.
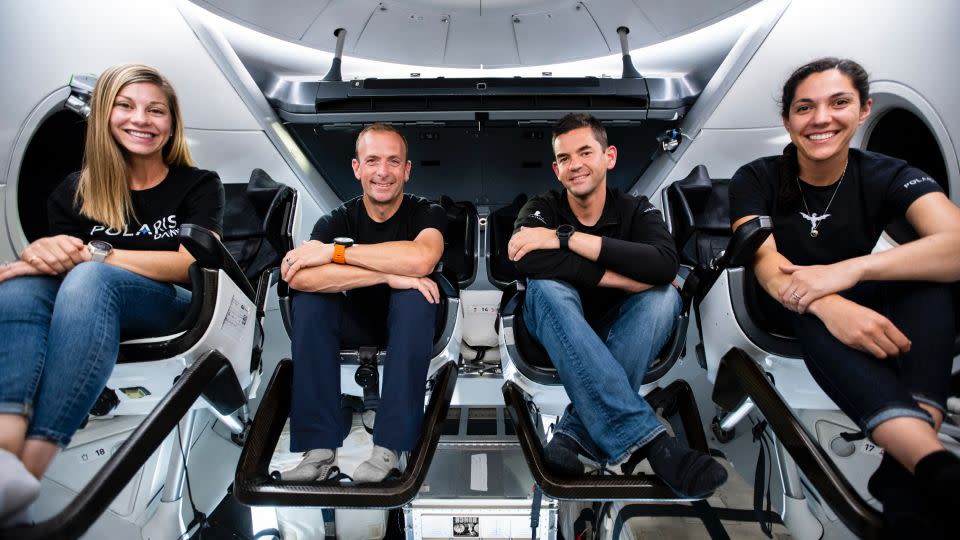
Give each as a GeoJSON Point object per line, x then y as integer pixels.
{"type": "Point", "coordinates": [252, 222]}
{"type": "Point", "coordinates": [696, 187]}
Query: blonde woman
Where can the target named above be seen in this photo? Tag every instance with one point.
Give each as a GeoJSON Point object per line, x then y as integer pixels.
{"type": "Point", "coordinates": [111, 269]}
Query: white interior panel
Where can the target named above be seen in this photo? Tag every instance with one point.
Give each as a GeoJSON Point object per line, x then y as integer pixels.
{"type": "Point", "coordinates": [423, 34]}
{"type": "Point", "coordinates": [544, 37]}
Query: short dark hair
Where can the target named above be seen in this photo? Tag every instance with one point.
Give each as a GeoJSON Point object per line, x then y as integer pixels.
{"type": "Point", "coordinates": [381, 128]}
{"type": "Point", "coordinates": [572, 121]}
{"type": "Point", "coordinates": [858, 77]}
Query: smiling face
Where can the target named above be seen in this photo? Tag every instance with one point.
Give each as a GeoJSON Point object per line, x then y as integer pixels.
{"type": "Point", "coordinates": [581, 163]}
{"type": "Point", "coordinates": [140, 119]}
{"type": "Point", "coordinates": [824, 115]}
{"type": "Point", "coordinates": [381, 166]}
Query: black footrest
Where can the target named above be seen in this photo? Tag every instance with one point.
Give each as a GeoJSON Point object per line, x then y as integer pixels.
{"type": "Point", "coordinates": [254, 486]}
{"type": "Point", "coordinates": [834, 489]}
{"type": "Point", "coordinates": [676, 397]}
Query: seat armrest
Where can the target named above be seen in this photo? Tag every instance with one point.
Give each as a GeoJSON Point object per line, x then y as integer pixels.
{"type": "Point", "coordinates": [209, 252]}
{"type": "Point", "coordinates": [744, 244]}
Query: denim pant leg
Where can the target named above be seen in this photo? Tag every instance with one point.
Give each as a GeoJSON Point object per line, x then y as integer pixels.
{"type": "Point", "coordinates": [315, 342]}
{"type": "Point", "coordinates": [410, 328]}
{"type": "Point", "coordinates": [616, 419]}
{"type": "Point", "coordinates": [97, 304]}
{"type": "Point", "coordinates": [644, 323]}
{"type": "Point", "coordinates": [923, 311]}
{"type": "Point", "coordinates": [635, 332]}
{"type": "Point", "coordinates": [26, 305]}
{"type": "Point", "coordinates": [869, 390]}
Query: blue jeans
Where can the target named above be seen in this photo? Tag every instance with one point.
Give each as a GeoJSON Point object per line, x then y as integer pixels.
{"type": "Point", "coordinates": [324, 321]}
{"type": "Point", "coordinates": [61, 338]}
{"type": "Point", "coordinates": [602, 365]}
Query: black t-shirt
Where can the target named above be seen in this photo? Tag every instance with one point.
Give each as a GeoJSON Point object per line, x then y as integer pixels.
{"type": "Point", "coordinates": [351, 220]}
{"type": "Point", "coordinates": [186, 195]}
{"type": "Point", "coordinates": [875, 191]}
{"type": "Point", "coordinates": [635, 243]}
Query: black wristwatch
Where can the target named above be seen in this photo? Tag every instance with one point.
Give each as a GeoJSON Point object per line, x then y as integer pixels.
{"type": "Point", "coordinates": [564, 232]}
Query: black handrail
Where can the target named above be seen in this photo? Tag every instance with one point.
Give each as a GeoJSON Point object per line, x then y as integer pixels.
{"type": "Point", "coordinates": [609, 487]}
{"type": "Point", "coordinates": [96, 496]}
{"type": "Point", "coordinates": [861, 518]}
{"type": "Point", "coordinates": [254, 486]}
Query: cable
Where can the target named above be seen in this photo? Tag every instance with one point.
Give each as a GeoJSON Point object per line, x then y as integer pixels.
{"type": "Point", "coordinates": [199, 518]}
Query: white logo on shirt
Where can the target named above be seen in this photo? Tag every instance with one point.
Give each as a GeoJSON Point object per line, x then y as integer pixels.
{"type": "Point", "coordinates": [537, 215]}
{"type": "Point", "coordinates": [916, 181]}
{"type": "Point", "coordinates": [162, 228]}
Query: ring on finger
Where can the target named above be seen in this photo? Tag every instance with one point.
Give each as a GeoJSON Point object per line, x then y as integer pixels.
{"type": "Point", "coordinates": [796, 296]}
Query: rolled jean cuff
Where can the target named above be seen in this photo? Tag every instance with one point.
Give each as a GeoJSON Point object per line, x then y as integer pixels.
{"type": "Point", "coordinates": [938, 405]}
{"type": "Point", "coordinates": [60, 439]}
{"type": "Point", "coordinates": [889, 413]}
{"type": "Point", "coordinates": [645, 440]}
{"type": "Point", "coordinates": [18, 408]}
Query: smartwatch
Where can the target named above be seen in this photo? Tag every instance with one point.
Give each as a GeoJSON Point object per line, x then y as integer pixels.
{"type": "Point", "coordinates": [340, 245]}
{"type": "Point", "coordinates": [564, 232]}
{"type": "Point", "coordinates": [99, 249]}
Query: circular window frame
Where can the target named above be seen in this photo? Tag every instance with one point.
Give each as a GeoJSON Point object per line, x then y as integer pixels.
{"type": "Point", "coordinates": [890, 95]}
{"type": "Point", "coordinates": [50, 105]}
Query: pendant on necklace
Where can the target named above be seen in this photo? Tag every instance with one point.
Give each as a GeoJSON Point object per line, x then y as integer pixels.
{"type": "Point", "coordinates": [814, 233]}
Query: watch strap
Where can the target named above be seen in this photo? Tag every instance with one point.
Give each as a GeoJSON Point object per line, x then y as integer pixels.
{"type": "Point", "coordinates": [339, 250]}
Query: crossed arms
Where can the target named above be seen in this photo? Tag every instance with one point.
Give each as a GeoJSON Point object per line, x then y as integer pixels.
{"type": "Point", "coordinates": [400, 265]}
{"type": "Point", "coordinates": [933, 257]}
{"type": "Point", "coordinates": [647, 260]}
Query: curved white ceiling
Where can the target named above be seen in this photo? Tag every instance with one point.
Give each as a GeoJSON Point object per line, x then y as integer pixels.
{"type": "Point", "coordinates": [474, 33]}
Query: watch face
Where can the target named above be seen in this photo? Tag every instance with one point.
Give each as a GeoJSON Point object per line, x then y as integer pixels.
{"type": "Point", "coordinates": [101, 245]}
{"type": "Point", "coordinates": [343, 241]}
{"type": "Point", "coordinates": [565, 230]}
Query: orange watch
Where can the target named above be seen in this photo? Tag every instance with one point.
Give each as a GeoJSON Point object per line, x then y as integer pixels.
{"type": "Point", "coordinates": [340, 245]}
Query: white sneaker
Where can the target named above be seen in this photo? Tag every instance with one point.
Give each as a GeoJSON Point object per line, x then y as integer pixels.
{"type": "Point", "coordinates": [316, 466]}
{"type": "Point", "coordinates": [382, 461]}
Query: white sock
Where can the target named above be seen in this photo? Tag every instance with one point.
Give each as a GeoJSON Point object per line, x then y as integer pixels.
{"type": "Point", "coordinates": [18, 488]}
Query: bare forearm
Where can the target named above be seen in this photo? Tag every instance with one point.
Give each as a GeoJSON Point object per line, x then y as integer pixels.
{"type": "Point", "coordinates": [614, 280]}
{"type": "Point", "coordinates": [931, 258]}
{"type": "Point", "coordinates": [329, 278]}
{"type": "Point", "coordinates": [166, 266]}
{"type": "Point", "coordinates": [407, 258]}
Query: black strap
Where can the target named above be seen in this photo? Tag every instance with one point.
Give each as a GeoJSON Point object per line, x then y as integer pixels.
{"type": "Point", "coordinates": [710, 520]}
{"type": "Point", "coordinates": [535, 510]}
{"type": "Point", "coordinates": [329, 523]}
{"type": "Point", "coordinates": [761, 486]}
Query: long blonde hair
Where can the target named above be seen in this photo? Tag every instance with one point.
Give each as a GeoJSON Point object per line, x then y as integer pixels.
{"type": "Point", "coordinates": [103, 193]}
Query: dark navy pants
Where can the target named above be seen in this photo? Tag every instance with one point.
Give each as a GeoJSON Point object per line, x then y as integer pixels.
{"type": "Point", "coordinates": [869, 390]}
{"type": "Point", "coordinates": [403, 319]}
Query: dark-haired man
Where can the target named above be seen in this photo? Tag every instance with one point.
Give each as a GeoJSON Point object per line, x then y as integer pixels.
{"type": "Point", "coordinates": [362, 279]}
{"type": "Point", "coordinates": [599, 298]}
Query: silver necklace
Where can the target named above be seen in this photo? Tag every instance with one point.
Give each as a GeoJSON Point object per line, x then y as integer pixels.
{"type": "Point", "coordinates": [813, 217]}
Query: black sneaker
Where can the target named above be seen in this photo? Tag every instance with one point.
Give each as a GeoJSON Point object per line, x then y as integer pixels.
{"type": "Point", "coordinates": [562, 455]}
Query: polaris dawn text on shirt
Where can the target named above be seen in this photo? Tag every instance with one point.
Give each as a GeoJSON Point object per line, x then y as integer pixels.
{"type": "Point", "coordinates": [186, 195]}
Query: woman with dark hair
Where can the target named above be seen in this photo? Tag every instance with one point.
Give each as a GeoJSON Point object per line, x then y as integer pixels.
{"type": "Point", "coordinates": [108, 271]}
{"type": "Point", "coordinates": [876, 329]}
